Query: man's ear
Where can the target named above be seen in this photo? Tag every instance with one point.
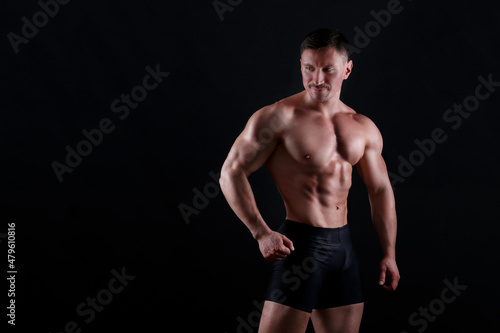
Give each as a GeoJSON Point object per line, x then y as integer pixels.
{"type": "Point", "coordinates": [348, 69]}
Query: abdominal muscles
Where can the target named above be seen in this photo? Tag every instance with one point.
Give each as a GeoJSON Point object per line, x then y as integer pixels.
{"type": "Point", "coordinates": [314, 194]}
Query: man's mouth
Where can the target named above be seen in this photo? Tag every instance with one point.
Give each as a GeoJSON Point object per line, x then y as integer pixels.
{"type": "Point", "coordinates": [318, 88]}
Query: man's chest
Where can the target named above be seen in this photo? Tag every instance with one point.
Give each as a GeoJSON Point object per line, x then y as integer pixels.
{"type": "Point", "coordinates": [319, 140]}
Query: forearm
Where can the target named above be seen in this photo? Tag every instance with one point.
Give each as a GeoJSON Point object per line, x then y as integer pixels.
{"type": "Point", "coordinates": [239, 195]}
{"type": "Point", "coordinates": [384, 219]}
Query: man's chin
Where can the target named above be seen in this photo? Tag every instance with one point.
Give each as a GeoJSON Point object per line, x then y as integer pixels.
{"type": "Point", "coordinates": [319, 97]}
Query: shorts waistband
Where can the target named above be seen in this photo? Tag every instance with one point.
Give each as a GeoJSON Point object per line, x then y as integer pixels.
{"type": "Point", "coordinates": [296, 224]}
{"type": "Point", "coordinates": [300, 232]}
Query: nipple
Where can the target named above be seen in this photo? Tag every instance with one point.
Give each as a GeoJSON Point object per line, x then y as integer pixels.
{"type": "Point", "coordinates": [307, 156]}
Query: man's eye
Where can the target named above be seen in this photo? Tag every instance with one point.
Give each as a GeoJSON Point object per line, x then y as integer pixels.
{"type": "Point", "coordinates": [329, 69]}
{"type": "Point", "coordinates": [309, 68]}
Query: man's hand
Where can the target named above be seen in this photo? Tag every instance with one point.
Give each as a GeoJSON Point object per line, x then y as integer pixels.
{"type": "Point", "coordinates": [275, 246]}
{"type": "Point", "coordinates": [389, 274]}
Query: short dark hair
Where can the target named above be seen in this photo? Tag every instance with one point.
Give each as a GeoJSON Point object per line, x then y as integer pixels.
{"type": "Point", "coordinates": [325, 37]}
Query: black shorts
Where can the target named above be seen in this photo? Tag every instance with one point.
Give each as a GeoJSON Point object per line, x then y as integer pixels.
{"type": "Point", "coordinates": [321, 273]}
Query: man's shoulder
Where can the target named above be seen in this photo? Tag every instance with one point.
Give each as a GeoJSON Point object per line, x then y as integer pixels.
{"type": "Point", "coordinates": [286, 105]}
{"type": "Point", "coordinates": [363, 126]}
{"type": "Point", "coordinates": [366, 123]}
{"type": "Point", "coordinates": [273, 117]}
{"type": "Point", "coordinates": [371, 132]}
{"type": "Point", "coordinates": [281, 110]}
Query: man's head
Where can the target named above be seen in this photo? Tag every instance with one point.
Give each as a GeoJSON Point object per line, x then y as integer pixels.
{"type": "Point", "coordinates": [324, 58]}
{"type": "Point", "coordinates": [323, 38]}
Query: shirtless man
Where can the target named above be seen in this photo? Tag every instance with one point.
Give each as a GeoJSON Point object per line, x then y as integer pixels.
{"type": "Point", "coordinates": [309, 142]}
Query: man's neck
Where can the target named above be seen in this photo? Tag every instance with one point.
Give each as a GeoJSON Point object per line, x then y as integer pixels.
{"type": "Point", "coordinates": [328, 107]}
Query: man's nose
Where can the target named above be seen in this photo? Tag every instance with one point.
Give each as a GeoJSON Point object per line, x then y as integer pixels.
{"type": "Point", "coordinates": [319, 77]}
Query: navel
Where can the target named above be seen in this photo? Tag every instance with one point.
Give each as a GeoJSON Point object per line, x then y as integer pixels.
{"type": "Point", "coordinates": [307, 156]}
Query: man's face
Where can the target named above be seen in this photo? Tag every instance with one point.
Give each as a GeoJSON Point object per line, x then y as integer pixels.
{"type": "Point", "coordinates": [323, 71]}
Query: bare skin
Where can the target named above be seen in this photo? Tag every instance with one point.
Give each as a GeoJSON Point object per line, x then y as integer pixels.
{"type": "Point", "coordinates": [310, 142]}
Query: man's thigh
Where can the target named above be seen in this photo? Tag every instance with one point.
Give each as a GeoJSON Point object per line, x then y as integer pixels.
{"type": "Point", "coordinates": [342, 319]}
{"type": "Point", "coordinates": [277, 318]}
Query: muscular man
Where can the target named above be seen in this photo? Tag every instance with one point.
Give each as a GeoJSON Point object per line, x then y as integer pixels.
{"type": "Point", "coordinates": [309, 142]}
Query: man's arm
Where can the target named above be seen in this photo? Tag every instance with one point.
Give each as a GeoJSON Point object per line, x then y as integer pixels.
{"type": "Point", "coordinates": [373, 171]}
{"type": "Point", "coordinates": [248, 153]}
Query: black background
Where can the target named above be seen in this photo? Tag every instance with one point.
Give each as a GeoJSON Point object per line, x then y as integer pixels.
{"type": "Point", "coordinates": [119, 208]}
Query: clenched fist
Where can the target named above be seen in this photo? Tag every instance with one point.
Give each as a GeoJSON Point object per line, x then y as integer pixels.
{"type": "Point", "coordinates": [275, 246]}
